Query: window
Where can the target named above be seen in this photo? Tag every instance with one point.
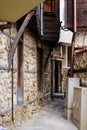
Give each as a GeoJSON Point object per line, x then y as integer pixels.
{"type": "Point", "coordinates": [57, 51]}
{"type": "Point", "coordinates": [49, 6]}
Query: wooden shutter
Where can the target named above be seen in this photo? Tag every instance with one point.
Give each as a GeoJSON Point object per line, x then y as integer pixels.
{"type": "Point", "coordinates": [81, 9]}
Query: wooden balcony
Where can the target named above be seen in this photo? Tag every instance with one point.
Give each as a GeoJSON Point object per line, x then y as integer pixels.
{"type": "Point", "coordinates": [50, 27]}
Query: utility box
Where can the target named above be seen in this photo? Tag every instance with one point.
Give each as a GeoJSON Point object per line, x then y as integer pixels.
{"type": "Point", "coordinates": [71, 83]}
{"type": "Point", "coordinates": [80, 108]}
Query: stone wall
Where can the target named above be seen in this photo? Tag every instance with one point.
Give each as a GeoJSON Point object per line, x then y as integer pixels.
{"type": "Point", "coordinates": [80, 60]}
{"type": "Point", "coordinates": [81, 38]}
{"type": "Point", "coordinates": [30, 67]}
{"type": "Point", "coordinates": [5, 77]}
{"type": "Point", "coordinates": [32, 100]}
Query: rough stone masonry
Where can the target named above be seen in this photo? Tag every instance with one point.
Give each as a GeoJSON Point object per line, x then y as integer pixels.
{"type": "Point", "coordinates": [32, 99]}
{"type": "Point", "coordinates": [80, 60]}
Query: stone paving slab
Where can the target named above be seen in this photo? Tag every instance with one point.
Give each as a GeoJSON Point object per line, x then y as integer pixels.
{"type": "Point", "coordinates": [49, 118]}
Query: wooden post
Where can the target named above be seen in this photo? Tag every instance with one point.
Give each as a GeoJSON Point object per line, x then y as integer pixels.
{"type": "Point", "coordinates": [20, 82]}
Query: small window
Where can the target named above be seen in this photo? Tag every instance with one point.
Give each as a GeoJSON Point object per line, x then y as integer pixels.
{"type": "Point", "coordinates": [49, 6]}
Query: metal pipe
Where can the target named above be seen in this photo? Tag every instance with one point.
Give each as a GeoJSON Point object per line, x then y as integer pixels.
{"type": "Point", "coordinates": [75, 17]}
{"type": "Point", "coordinates": [73, 40]}
{"type": "Point", "coordinates": [41, 14]}
{"type": "Point", "coordinates": [80, 51]}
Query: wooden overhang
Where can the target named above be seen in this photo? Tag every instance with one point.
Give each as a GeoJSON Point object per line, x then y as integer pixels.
{"type": "Point", "coordinates": [12, 10]}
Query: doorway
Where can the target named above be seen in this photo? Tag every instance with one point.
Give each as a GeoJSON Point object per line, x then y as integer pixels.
{"type": "Point", "coordinates": [40, 69]}
{"type": "Point", "coordinates": [56, 90]}
{"type": "Point", "coordinates": [58, 77]}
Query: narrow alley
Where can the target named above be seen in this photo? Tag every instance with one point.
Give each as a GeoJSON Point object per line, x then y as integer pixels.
{"type": "Point", "coordinates": [43, 65]}
{"type": "Point", "coordinates": [50, 117]}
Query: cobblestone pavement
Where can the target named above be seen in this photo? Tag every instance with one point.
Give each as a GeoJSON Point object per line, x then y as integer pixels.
{"type": "Point", "coordinates": [49, 118]}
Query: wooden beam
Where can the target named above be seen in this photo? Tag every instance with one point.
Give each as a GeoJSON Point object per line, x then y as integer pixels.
{"type": "Point", "coordinates": [80, 51]}
{"type": "Point", "coordinates": [9, 36]}
{"type": "Point", "coordinates": [81, 70]}
{"type": "Point", "coordinates": [20, 54]}
{"type": "Point", "coordinates": [5, 26]}
{"type": "Point", "coordinates": [17, 38]}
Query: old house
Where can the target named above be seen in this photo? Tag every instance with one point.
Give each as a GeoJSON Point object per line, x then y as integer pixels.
{"type": "Point", "coordinates": [25, 65]}
{"type": "Point", "coordinates": [34, 63]}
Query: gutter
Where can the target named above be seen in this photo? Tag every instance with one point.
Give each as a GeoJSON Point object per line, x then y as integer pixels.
{"type": "Point", "coordinates": [73, 40]}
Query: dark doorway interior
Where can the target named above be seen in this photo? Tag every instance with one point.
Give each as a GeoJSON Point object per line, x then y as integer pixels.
{"type": "Point", "coordinates": [58, 76]}
{"type": "Point", "coordinates": [40, 68]}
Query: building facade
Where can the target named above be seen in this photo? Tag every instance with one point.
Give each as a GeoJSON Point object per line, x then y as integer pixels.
{"type": "Point", "coordinates": [35, 77]}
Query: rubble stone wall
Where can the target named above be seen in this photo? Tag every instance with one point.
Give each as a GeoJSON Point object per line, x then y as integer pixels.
{"type": "Point", "coordinates": [81, 38]}
{"type": "Point", "coordinates": [5, 76]}
{"type": "Point", "coordinates": [80, 60]}
{"type": "Point", "coordinates": [32, 102]}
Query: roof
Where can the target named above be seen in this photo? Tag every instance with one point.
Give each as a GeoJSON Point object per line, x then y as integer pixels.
{"type": "Point", "coordinates": [12, 10]}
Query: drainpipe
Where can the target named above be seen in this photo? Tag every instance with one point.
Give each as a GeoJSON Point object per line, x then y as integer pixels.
{"type": "Point", "coordinates": [73, 40]}
{"type": "Point", "coordinates": [41, 18]}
